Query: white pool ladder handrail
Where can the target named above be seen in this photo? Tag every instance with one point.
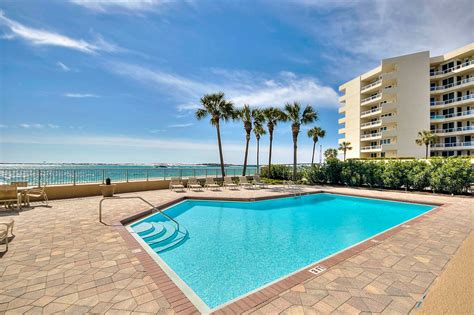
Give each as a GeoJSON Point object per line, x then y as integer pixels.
{"type": "Point", "coordinates": [155, 209]}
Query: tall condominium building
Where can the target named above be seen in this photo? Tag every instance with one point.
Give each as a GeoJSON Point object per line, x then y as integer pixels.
{"type": "Point", "coordinates": [385, 108]}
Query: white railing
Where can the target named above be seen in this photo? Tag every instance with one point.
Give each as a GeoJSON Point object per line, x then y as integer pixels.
{"type": "Point", "coordinates": [371, 123]}
{"type": "Point", "coordinates": [465, 128]}
{"type": "Point", "coordinates": [459, 114]}
{"type": "Point", "coordinates": [450, 85]}
{"type": "Point", "coordinates": [368, 86]}
{"type": "Point", "coordinates": [463, 65]}
{"type": "Point", "coordinates": [451, 145]}
{"type": "Point", "coordinates": [453, 100]}
{"type": "Point", "coordinates": [371, 147]}
{"type": "Point", "coordinates": [371, 111]}
{"type": "Point", "coordinates": [371, 135]}
{"type": "Point", "coordinates": [370, 98]}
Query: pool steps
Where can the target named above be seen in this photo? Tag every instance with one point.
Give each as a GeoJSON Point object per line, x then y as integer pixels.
{"type": "Point", "coordinates": [161, 236]}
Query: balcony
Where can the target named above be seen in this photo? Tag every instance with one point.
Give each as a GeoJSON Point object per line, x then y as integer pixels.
{"type": "Point", "coordinates": [342, 109]}
{"type": "Point", "coordinates": [341, 120]}
{"type": "Point", "coordinates": [371, 99]}
{"type": "Point", "coordinates": [371, 124]}
{"type": "Point", "coordinates": [371, 85]}
{"type": "Point", "coordinates": [460, 67]}
{"type": "Point", "coordinates": [371, 136]}
{"type": "Point", "coordinates": [342, 130]}
{"type": "Point", "coordinates": [371, 112]}
{"type": "Point", "coordinates": [442, 88]}
{"type": "Point", "coordinates": [454, 116]}
{"type": "Point", "coordinates": [371, 148]}
{"type": "Point", "coordinates": [453, 146]}
{"type": "Point", "coordinates": [454, 101]}
{"type": "Point", "coordinates": [453, 131]}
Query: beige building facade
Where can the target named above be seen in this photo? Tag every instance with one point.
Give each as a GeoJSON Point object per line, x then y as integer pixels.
{"type": "Point", "coordinates": [384, 109]}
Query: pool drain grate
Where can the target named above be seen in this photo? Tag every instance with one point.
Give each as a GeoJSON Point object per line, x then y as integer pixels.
{"type": "Point", "coordinates": [318, 269]}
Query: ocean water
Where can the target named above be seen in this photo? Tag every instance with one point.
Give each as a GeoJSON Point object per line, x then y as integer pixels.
{"type": "Point", "coordinates": [236, 247]}
{"type": "Point", "coordinates": [53, 174]}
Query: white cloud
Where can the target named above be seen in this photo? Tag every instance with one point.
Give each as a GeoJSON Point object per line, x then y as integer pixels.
{"type": "Point", "coordinates": [3, 126]}
{"type": "Point", "coordinates": [132, 5]}
{"type": "Point", "coordinates": [241, 87]}
{"type": "Point", "coordinates": [63, 66]}
{"type": "Point", "coordinates": [53, 126]}
{"type": "Point", "coordinates": [80, 95]}
{"type": "Point", "coordinates": [28, 126]}
{"type": "Point", "coordinates": [180, 125]}
{"type": "Point", "coordinates": [47, 38]}
{"type": "Point", "coordinates": [155, 131]}
{"type": "Point", "coordinates": [187, 107]}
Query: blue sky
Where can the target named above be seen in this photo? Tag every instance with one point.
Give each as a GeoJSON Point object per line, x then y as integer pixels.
{"type": "Point", "coordinates": [119, 81]}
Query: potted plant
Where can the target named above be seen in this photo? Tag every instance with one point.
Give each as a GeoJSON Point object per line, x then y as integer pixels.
{"type": "Point", "coordinates": [108, 189]}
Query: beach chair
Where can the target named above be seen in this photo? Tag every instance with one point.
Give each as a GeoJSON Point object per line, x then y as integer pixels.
{"type": "Point", "coordinates": [211, 184]}
{"type": "Point", "coordinates": [6, 230]}
{"type": "Point", "coordinates": [37, 193]}
{"type": "Point", "coordinates": [244, 182]}
{"type": "Point", "coordinates": [228, 183]}
{"type": "Point", "coordinates": [176, 184]}
{"type": "Point", "coordinates": [193, 184]}
{"type": "Point", "coordinates": [257, 182]}
{"type": "Point", "coordinates": [19, 184]}
{"type": "Point", "coordinates": [9, 196]}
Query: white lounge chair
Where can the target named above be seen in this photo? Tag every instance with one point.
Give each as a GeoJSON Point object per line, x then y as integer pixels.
{"type": "Point", "coordinates": [10, 196]}
{"type": "Point", "coordinates": [257, 181]}
{"type": "Point", "coordinates": [176, 184]}
{"type": "Point", "coordinates": [37, 193]}
{"type": "Point", "coordinates": [244, 182]}
{"type": "Point", "coordinates": [193, 184]}
{"type": "Point", "coordinates": [228, 183]}
{"type": "Point", "coordinates": [211, 184]}
{"type": "Point", "coordinates": [6, 231]}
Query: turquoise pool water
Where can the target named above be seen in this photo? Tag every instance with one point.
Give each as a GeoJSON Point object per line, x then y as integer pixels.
{"type": "Point", "coordinates": [232, 248]}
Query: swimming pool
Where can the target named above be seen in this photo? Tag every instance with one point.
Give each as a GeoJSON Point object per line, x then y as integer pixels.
{"type": "Point", "coordinates": [225, 249]}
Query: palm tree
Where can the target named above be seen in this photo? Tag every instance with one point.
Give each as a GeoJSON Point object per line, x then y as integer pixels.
{"type": "Point", "coordinates": [426, 138]}
{"type": "Point", "coordinates": [315, 133]}
{"type": "Point", "coordinates": [245, 115]}
{"type": "Point", "coordinates": [344, 146]}
{"type": "Point", "coordinates": [215, 106]}
{"type": "Point", "coordinates": [272, 116]}
{"type": "Point", "coordinates": [258, 130]}
{"type": "Point", "coordinates": [297, 118]}
{"type": "Point", "coordinates": [330, 154]}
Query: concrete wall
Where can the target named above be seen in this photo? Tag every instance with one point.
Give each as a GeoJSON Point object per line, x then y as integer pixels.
{"type": "Point", "coordinates": [412, 95]}
{"type": "Point", "coordinates": [352, 116]}
{"type": "Point", "coordinates": [87, 190]}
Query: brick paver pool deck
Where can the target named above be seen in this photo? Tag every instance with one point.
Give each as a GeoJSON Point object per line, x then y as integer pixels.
{"type": "Point", "coordinates": [63, 260]}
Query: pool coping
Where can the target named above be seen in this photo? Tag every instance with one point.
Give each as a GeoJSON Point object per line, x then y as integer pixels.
{"type": "Point", "coordinates": [181, 303]}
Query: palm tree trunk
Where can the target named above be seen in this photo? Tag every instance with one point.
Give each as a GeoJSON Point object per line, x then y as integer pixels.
{"type": "Point", "coordinates": [295, 149]}
{"type": "Point", "coordinates": [270, 131]}
{"type": "Point", "coordinates": [247, 140]}
{"type": "Point", "coordinates": [426, 153]}
{"type": "Point", "coordinates": [344, 155]}
{"type": "Point", "coordinates": [312, 158]}
{"type": "Point", "coordinates": [258, 154]}
{"type": "Point", "coordinates": [219, 143]}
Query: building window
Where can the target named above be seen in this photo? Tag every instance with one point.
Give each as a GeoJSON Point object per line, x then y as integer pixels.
{"type": "Point", "coordinates": [382, 154]}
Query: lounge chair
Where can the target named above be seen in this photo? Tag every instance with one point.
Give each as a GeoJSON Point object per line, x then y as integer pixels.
{"type": "Point", "coordinates": [37, 193]}
{"type": "Point", "coordinates": [244, 182]}
{"type": "Point", "coordinates": [10, 196]}
{"type": "Point", "coordinates": [176, 184]}
{"type": "Point", "coordinates": [211, 184]}
{"type": "Point", "coordinates": [228, 183]}
{"type": "Point", "coordinates": [19, 184]}
{"type": "Point", "coordinates": [193, 184]}
{"type": "Point", "coordinates": [6, 230]}
{"type": "Point", "coordinates": [257, 182]}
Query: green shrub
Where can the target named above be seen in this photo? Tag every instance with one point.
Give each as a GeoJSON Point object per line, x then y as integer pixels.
{"type": "Point", "coordinates": [333, 171]}
{"type": "Point", "coordinates": [372, 175]}
{"type": "Point", "coordinates": [418, 175]}
{"type": "Point", "coordinates": [395, 174]}
{"type": "Point", "coordinates": [282, 172]}
{"type": "Point", "coordinates": [352, 173]}
{"type": "Point", "coordinates": [453, 175]}
{"type": "Point", "coordinates": [316, 174]}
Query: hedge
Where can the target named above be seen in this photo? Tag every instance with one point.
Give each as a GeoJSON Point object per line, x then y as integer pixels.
{"type": "Point", "coordinates": [449, 175]}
